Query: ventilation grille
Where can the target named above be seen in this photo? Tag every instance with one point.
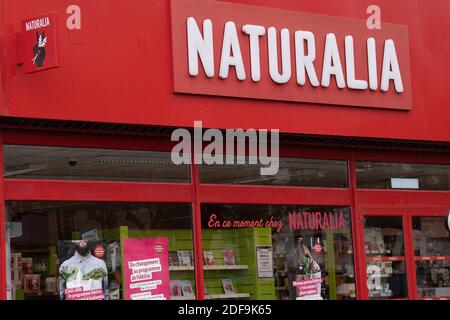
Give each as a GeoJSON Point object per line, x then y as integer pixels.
{"type": "Point", "coordinates": [96, 128]}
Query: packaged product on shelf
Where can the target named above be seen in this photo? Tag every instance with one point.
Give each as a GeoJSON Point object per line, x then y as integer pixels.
{"type": "Point", "coordinates": [15, 260]}
{"type": "Point", "coordinates": [26, 264]}
{"type": "Point", "coordinates": [114, 290]}
{"type": "Point", "coordinates": [113, 261]}
{"type": "Point", "coordinates": [374, 241]}
{"type": "Point", "coordinates": [186, 288]}
{"type": "Point", "coordinates": [209, 258]}
{"type": "Point", "coordinates": [16, 276]}
{"type": "Point", "coordinates": [185, 258]}
{"type": "Point", "coordinates": [175, 288]}
{"type": "Point", "coordinates": [32, 283]}
{"type": "Point", "coordinates": [50, 284]}
{"type": "Point", "coordinates": [174, 259]}
{"type": "Point", "coordinates": [228, 258]}
{"type": "Point", "coordinates": [228, 287]}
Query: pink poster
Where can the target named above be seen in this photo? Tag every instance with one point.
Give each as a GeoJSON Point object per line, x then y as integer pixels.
{"type": "Point", "coordinates": [146, 267]}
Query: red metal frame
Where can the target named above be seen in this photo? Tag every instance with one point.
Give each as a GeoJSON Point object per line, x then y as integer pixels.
{"type": "Point", "coordinates": [357, 226]}
{"type": "Point", "coordinates": [3, 261]}
{"type": "Point", "coordinates": [407, 214]}
{"type": "Point", "coordinates": [197, 230]}
{"type": "Point", "coordinates": [274, 195]}
{"type": "Point", "coordinates": [361, 201]}
{"type": "Point", "coordinates": [409, 254]}
{"type": "Point", "coordinates": [98, 191]}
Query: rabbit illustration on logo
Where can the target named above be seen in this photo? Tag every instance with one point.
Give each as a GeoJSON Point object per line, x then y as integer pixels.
{"type": "Point", "coordinates": [39, 50]}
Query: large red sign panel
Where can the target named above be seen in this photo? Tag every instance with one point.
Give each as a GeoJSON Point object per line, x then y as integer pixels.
{"type": "Point", "coordinates": [234, 50]}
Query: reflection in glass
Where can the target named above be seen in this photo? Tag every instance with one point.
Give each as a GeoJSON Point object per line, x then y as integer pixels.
{"type": "Point", "coordinates": [292, 172]}
{"type": "Point", "coordinates": [432, 255]}
{"type": "Point", "coordinates": [311, 250]}
{"type": "Point", "coordinates": [383, 175]}
{"type": "Point", "coordinates": [47, 228]}
{"type": "Point", "coordinates": [60, 163]}
{"type": "Point", "coordinates": [384, 248]}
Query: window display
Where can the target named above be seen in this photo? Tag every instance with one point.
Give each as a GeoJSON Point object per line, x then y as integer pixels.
{"type": "Point", "coordinates": [432, 257]}
{"type": "Point", "coordinates": [281, 252]}
{"type": "Point", "coordinates": [76, 250]}
{"type": "Point", "coordinates": [385, 258]}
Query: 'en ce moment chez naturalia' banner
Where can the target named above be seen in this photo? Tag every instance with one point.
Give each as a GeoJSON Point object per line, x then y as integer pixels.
{"type": "Point", "coordinates": [146, 268]}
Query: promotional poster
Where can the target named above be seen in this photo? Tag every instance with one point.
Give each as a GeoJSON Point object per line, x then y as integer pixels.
{"type": "Point", "coordinates": [83, 271]}
{"type": "Point", "coordinates": [146, 267]}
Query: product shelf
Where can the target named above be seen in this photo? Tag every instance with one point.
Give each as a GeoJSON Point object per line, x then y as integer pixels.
{"type": "Point", "coordinates": [216, 267]}
{"type": "Point", "coordinates": [384, 275]}
{"type": "Point", "coordinates": [281, 289]}
{"type": "Point", "coordinates": [222, 267]}
{"type": "Point", "coordinates": [227, 296]}
{"type": "Point", "coordinates": [385, 259]}
{"type": "Point", "coordinates": [432, 258]}
{"type": "Point", "coordinates": [181, 298]}
{"type": "Point", "coordinates": [181, 268]}
{"type": "Point", "coordinates": [434, 298]}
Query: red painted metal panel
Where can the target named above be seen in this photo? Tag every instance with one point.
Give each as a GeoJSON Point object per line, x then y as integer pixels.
{"type": "Point", "coordinates": [96, 191]}
{"type": "Point", "coordinates": [198, 239]}
{"type": "Point", "coordinates": [358, 236]}
{"type": "Point", "coordinates": [409, 255]}
{"type": "Point", "coordinates": [274, 195]}
{"type": "Point", "coordinates": [128, 42]}
{"type": "Point", "coordinates": [403, 199]}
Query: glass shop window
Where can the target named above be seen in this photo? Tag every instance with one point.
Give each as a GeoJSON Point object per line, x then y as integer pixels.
{"type": "Point", "coordinates": [60, 163]}
{"type": "Point", "coordinates": [432, 257]}
{"type": "Point", "coordinates": [99, 251]}
{"type": "Point", "coordinates": [278, 252]}
{"type": "Point", "coordinates": [292, 172]}
{"type": "Point", "coordinates": [402, 176]}
{"type": "Point", "coordinates": [385, 258]}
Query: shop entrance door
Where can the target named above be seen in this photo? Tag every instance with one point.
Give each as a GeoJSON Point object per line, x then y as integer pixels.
{"type": "Point", "coordinates": [430, 258]}
{"type": "Point", "coordinates": [386, 253]}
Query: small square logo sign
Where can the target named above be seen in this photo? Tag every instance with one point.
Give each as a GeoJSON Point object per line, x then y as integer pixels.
{"type": "Point", "coordinates": [39, 43]}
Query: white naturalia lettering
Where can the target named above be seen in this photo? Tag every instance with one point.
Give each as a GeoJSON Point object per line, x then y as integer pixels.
{"type": "Point", "coordinates": [37, 24]}
{"type": "Point", "coordinates": [201, 50]}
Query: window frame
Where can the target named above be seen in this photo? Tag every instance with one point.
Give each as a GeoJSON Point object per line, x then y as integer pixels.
{"type": "Point", "coordinates": [196, 193]}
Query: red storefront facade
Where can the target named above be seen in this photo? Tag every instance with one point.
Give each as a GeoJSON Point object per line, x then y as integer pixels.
{"type": "Point", "coordinates": [122, 83]}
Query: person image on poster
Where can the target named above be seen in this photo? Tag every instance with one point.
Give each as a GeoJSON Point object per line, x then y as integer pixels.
{"type": "Point", "coordinates": [84, 271]}
{"type": "Point", "coordinates": [302, 265]}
